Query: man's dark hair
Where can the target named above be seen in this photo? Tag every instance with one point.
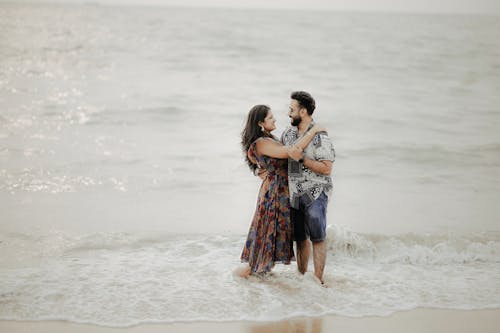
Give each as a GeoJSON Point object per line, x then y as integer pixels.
{"type": "Point", "coordinates": [305, 100]}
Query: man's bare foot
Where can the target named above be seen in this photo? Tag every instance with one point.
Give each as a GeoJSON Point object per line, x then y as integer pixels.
{"type": "Point", "coordinates": [243, 272]}
{"type": "Point", "coordinates": [321, 282]}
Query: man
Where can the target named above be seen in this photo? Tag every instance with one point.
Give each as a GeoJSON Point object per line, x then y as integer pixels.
{"type": "Point", "coordinates": [310, 184]}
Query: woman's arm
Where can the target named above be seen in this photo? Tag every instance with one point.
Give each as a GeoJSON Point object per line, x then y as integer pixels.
{"type": "Point", "coordinates": [275, 149]}
{"type": "Point", "coordinates": [271, 148]}
{"type": "Point", "coordinates": [304, 141]}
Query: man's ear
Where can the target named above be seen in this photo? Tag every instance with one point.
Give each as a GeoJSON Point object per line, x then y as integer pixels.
{"type": "Point", "coordinates": [303, 112]}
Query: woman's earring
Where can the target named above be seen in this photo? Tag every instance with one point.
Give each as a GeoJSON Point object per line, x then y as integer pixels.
{"type": "Point", "coordinates": [262, 128]}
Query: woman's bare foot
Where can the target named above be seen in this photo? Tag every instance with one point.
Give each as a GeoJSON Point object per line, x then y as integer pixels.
{"type": "Point", "coordinates": [243, 272]}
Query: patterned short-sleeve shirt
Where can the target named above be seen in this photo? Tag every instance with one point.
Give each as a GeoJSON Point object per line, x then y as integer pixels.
{"type": "Point", "coordinates": [304, 183]}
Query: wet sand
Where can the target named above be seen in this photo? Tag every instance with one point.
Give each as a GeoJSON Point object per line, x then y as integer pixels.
{"type": "Point", "coordinates": [419, 320]}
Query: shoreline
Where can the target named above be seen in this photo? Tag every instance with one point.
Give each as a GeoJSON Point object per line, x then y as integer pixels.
{"type": "Point", "coordinates": [417, 320]}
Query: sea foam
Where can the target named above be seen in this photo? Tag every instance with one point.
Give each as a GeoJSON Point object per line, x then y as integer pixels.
{"type": "Point", "coordinates": [125, 279]}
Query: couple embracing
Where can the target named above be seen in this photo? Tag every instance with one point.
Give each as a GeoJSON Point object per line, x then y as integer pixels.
{"type": "Point", "coordinates": [294, 193]}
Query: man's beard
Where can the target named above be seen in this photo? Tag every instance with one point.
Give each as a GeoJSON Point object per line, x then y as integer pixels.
{"type": "Point", "coordinates": [296, 121]}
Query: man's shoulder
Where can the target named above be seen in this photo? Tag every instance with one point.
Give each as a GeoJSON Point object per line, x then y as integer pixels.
{"type": "Point", "coordinates": [289, 135]}
{"type": "Point", "coordinates": [289, 129]}
{"type": "Point", "coordinates": [323, 147]}
{"type": "Point", "coordinates": [321, 138]}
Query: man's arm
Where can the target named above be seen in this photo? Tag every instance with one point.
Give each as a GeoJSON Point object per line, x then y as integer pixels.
{"type": "Point", "coordinates": [324, 156]}
{"type": "Point", "coordinates": [320, 167]}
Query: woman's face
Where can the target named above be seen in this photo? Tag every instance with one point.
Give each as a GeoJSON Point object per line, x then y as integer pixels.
{"type": "Point", "coordinates": [269, 122]}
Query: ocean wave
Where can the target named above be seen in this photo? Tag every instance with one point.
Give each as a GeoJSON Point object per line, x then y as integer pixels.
{"type": "Point", "coordinates": [123, 279]}
{"type": "Point", "coordinates": [411, 248]}
{"type": "Point", "coordinates": [414, 248]}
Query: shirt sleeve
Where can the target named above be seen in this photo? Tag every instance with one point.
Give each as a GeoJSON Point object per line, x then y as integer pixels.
{"type": "Point", "coordinates": [324, 150]}
{"type": "Point", "coordinates": [287, 137]}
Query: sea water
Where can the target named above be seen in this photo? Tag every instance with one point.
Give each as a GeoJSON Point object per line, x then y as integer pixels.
{"type": "Point", "coordinates": [124, 197]}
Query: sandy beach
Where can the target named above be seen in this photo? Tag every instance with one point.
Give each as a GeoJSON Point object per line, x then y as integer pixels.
{"type": "Point", "coordinates": [125, 199]}
{"type": "Point", "coordinates": [419, 320]}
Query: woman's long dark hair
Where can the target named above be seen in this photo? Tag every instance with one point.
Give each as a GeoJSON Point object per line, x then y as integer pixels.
{"type": "Point", "coordinates": [252, 130]}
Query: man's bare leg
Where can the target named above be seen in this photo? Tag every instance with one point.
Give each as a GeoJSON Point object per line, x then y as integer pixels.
{"type": "Point", "coordinates": [319, 257]}
{"type": "Point", "coordinates": [303, 250]}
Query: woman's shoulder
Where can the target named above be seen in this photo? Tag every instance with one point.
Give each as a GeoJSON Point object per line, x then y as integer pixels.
{"type": "Point", "coordinates": [257, 142]}
{"type": "Point", "coordinates": [264, 140]}
{"type": "Point", "coordinates": [262, 144]}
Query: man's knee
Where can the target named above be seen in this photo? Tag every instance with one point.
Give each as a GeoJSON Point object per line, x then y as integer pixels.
{"type": "Point", "coordinates": [302, 245]}
{"type": "Point", "coordinates": [317, 232]}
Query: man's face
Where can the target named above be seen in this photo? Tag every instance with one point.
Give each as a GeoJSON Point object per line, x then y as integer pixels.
{"type": "Point", "coordinates": [294, 113]}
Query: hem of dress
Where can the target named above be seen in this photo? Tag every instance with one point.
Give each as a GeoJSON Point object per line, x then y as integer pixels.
{"type": "Point", "coordinates": [283, 262]}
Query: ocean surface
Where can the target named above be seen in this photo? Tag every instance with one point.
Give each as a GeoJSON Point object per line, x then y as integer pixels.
{"type": "Point", "coordinates": [125, 199]}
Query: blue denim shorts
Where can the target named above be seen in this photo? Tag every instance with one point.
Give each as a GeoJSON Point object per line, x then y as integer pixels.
{"type": "Point", "coordinates": [310, 221]}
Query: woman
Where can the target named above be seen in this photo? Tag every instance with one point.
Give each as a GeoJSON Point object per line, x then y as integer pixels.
{"type": "Point", "coordinates": [270, 237]}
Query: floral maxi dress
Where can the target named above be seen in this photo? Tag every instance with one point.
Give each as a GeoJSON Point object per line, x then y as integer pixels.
{"type": "Point", "coordinates": [270, 236]}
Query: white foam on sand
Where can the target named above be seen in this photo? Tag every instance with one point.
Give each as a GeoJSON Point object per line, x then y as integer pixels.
{"type": "Point", "coordinates": [124, 279]}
